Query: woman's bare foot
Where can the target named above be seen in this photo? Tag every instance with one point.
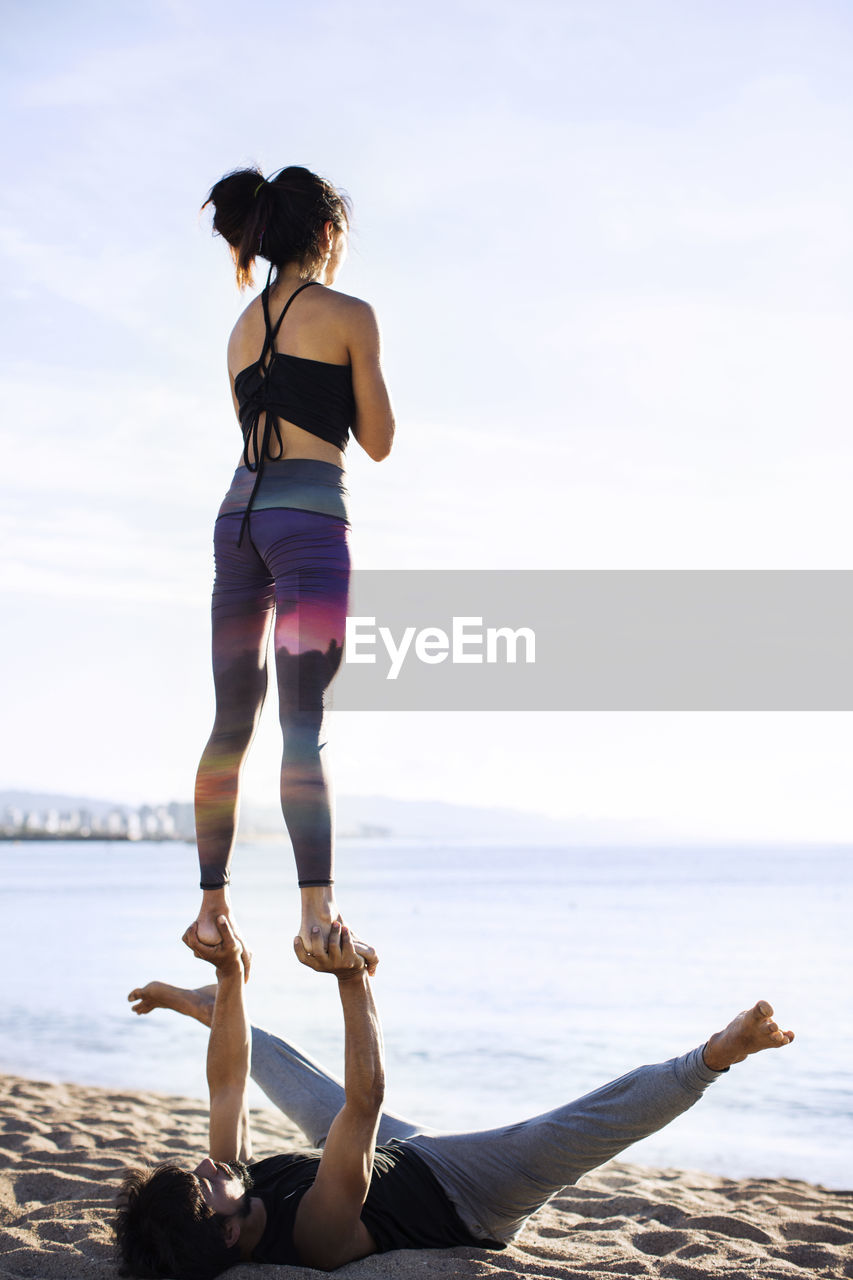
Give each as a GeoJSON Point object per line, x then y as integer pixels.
{"type": "Point", "coordinates": [196, 1004]}
{"type": "Point", "coordinates": [320, 911]}
{"type": "Point", "coordinates": [216, 903]}
{"type": "Point", "coordinates": [749, 1032]}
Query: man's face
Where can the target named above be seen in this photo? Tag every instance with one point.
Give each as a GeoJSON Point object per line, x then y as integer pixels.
{"type": "Point", "coordinates": [225, 1187]}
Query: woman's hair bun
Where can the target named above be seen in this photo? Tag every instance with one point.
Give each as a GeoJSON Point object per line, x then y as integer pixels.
{"type": "Point", "coordinates": [281, 219]}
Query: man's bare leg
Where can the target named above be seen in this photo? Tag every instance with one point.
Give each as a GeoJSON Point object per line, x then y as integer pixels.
{"type": "Point", "coordinates": [196, 1004]}
{"type": "Point", "coordinates": [748, 1032]}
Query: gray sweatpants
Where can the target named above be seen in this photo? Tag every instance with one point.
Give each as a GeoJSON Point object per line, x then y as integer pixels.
{"type": "Point", "coordinates": [496, 1178]}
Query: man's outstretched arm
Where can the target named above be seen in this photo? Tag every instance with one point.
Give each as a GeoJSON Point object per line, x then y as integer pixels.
{"type": "Point", "coordinates": [328, 1230]}
{"type": "Point", "coordinates": [229, 1046]}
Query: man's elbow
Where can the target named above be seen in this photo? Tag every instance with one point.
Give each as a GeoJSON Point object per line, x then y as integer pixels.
{"type": "Point", "coordinates": [225, 1085]}
{"type": "Point", "coordinates": [371, 1097]}
{"type": "Point", "coordinates": [377, 1093]}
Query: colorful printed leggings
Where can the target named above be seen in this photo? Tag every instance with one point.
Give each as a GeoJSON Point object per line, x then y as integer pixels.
{"type": "Point", "coordinates": [292, 565]}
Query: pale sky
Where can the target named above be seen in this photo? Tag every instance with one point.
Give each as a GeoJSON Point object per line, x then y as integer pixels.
{"type": "Point", "coordinates": [610, 248]}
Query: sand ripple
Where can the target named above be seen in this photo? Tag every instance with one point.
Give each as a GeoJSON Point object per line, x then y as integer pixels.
{"type": "Point", "coordinates": [62, 1148]}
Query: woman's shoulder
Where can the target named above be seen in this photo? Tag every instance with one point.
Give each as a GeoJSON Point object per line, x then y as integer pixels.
{"type": "Point", "coordinates": [356, 318]}
{"type": "Point", "coordinates": [345, 304]}
{"type": "Point", "coordinates": [247, 322]}
{"type": "Point", "coordinates": [352, 320]}
{"type": "Point", "coordinates": [244, 337]}
{"type": "Point", "coordinates": [343, 299]}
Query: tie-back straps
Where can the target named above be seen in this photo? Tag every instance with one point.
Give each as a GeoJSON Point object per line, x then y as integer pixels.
{"type": "Point", "coordinates": [260, 403]}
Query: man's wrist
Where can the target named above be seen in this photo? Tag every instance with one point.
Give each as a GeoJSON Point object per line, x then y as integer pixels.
{"type": "Point", "coordinates": [350, 976]}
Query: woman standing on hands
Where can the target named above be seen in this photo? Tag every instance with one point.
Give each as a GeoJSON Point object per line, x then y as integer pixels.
{"type": "Point", "coordinates": [304, 365]}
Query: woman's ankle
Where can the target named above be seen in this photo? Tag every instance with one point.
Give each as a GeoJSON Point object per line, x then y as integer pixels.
{"type": "Point", "coordinates": [215, 901]}
{"type": "Point", "coordinates": [317, 897]}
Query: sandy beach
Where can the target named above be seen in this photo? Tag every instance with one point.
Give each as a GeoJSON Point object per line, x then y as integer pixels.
{"type": "Point", "coordinates": [63, 1147]}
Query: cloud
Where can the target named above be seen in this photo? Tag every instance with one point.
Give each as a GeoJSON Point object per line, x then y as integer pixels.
{"type": "Point", "coordinates": [612, 251]}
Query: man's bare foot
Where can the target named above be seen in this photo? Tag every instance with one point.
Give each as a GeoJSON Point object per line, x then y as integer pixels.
{"type": "Point", "coordinates": [196, 1004]}
{"type": "Point", "coordinates": [749, 1032]}
{"type": "Point", "coordinates": [319, 910]}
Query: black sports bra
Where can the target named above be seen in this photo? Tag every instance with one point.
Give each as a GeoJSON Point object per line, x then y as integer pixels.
{"type": "Point", "coordinates": [313, 394]}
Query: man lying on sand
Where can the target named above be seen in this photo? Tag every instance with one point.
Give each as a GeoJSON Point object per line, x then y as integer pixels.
{"type": "Point", "coordinates": [417, 1189]}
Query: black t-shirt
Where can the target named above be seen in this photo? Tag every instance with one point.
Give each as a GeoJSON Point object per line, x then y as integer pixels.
{"type": "Point", "coordinates": [406, 1207]}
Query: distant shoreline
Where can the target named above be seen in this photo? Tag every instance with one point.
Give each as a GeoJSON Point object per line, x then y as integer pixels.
{"type": "Point", "coordinates": [97, 837]}
{"type": "Point", "coordinates": [103, 837]}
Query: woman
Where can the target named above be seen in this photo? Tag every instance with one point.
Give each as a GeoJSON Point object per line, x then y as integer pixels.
{"type": "Point", "coordinates": [304, 363]}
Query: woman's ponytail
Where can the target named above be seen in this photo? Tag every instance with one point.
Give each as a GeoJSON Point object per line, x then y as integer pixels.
{"type": "Point", "coordinates": [280, 219]}
{"type": "Point", "coordinates": [238, 211]}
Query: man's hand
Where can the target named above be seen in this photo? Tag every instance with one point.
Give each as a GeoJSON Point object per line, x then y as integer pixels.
{"type": "Point", "coordinates": [341, 959]}
{"type": "Point", "coordinates": [226, 956]}
{"type": "Point", "coordinates": [207, 925]}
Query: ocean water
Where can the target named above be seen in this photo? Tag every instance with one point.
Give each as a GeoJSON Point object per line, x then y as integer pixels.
{"type": "Point", "coordinates": [511, 979]}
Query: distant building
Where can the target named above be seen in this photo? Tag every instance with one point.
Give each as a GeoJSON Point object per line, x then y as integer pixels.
{"type": "Point", "coordinates": [183, 818]}
{"type": "Point", "coordinates": [174, 821]}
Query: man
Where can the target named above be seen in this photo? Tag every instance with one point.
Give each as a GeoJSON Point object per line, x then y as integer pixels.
{"type": "Point", "coordinates": [417, 1189]}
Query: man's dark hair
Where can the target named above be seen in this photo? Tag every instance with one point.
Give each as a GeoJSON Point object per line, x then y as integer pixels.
{"type": "Point", "coordinates": [164, 1228]}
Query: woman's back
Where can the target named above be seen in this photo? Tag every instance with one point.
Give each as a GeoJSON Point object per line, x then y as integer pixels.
{"type": "Point", "coordinates": [328, 332]}
{"type": "Point", "coordinates": [308, 368]}
{"type": "Point", "coordinates": [317, 326]}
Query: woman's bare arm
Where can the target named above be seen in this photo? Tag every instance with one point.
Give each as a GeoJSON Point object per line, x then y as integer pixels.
{"type": "Point", "coordinates": [374, 418]}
